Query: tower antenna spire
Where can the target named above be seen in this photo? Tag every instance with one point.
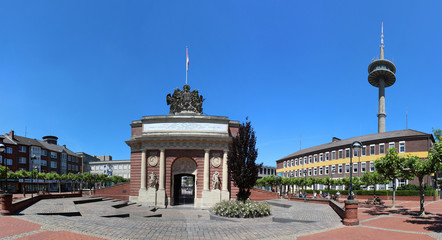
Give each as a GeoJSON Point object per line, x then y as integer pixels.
{"type": "Point", "coordinates": [382, 41]}
{"type": "Point", "coordinates": [187, 62]}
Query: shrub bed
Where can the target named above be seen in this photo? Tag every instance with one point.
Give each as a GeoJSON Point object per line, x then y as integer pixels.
{"type": "Point", "coordinates": [249, 209]}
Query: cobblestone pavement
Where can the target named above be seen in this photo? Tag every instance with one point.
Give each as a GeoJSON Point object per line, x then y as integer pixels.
{"type": "Point", "coordinates": [180, 222]}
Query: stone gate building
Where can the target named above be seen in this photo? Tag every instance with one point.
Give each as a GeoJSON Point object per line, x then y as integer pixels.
{"type": "Point", "coordinates": [181, 158]}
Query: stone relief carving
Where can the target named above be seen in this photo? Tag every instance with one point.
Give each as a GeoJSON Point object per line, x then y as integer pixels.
{"type": "Point", "coordinates": [184, 165]}
{"type": "Point", "coordinates": [215, 181]}
{"type": "Point", "coordinates": [152, 180]}
{"type": "Point", "coordinates": [152, 160]}
{"type": "Point", "coordinates": [185, 101]}
{"type": "Point", "coordinates": [216, 160]}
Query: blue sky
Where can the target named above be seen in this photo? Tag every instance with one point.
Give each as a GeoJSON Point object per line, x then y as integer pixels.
{"type": "Point", "coordinates": [83, 70]}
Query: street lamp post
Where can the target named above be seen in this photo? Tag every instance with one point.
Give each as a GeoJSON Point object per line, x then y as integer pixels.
{"type": "Point", "coordinates": [33, 158]}
{"type": "Point", "coordinates": [305, 184]}
{"type": "Point", "coordinates": [2, 149]}
{"type": "Point", "coordinates": [355, 144]}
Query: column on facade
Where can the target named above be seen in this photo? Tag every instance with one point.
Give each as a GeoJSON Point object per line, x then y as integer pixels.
{"type": "Point", "coordinates": [162, 169]}
{"type": "Point", "coordinates": [206, 170]}
{"type": "Point", "coordinates": [143, 169]}
{"type": "Point", "coordinates": [225, 172]}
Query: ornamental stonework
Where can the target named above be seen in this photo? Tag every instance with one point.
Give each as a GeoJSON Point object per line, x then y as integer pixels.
{"type": "Point", "coordinates": [152, 160]}
{"type": "Point", "coordinates": [216, 160]}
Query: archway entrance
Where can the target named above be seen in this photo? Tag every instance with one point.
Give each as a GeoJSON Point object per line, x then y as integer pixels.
{"type": "Point", "coordinates": [184, 189]}
{"type": "Point", "coordinates": [184, 174]}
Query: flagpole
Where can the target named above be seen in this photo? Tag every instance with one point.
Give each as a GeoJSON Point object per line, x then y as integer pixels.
{"type": "Point", "coordinates": [187, 67]}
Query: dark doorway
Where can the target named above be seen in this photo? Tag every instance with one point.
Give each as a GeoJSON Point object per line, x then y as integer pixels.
{"type": "Point", "coordinates": [184, 189]}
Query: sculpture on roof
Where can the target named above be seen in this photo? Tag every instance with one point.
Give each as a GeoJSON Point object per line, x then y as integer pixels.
{"type": "Point", "coordinates": [185, 101]}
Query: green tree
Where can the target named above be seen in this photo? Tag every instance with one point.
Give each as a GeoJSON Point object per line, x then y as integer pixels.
{"type": "Point", "coordinates": [22, 174]}
{"type": "Point", "coordinates": [241, 160]}
{"type": "Point", "coordinates": [3, 173]}
{"type": "Point", "coordinates": [373, 178]}
{"type": "Point", "coordinates": [391, 167]}
{"type": "Point", "coordinates": [329, 182]}
{"type": "Point", "coordinates": [420, 167]}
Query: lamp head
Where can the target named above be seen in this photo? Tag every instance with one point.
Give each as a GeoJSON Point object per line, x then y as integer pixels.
{"type": "Point", "coordinates": [2, 147]}
{"type": "Point", "coordinates": [356, 144]}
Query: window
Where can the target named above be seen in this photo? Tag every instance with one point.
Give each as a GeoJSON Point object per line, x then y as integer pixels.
{"type": "Point", "coordinates": [327, 156]}
{"type": "Point", "coordinates": [390, 145]}
{"type": "Point", "coordinates": [53, 164]}
{"type": "Point", "coordinates": [22, 149]}
{"type": "Point", "coordinates": [320, 170]}
{"type": "Point", "coordinates": [53, 155]}
{"type": "Point", "coordinates": [44, 152]}
{"type": "Point", "coordinates": [9, 150]}
{"type": "Point", "coordinates": [340, 168]}
{"type": "Point", "coordinates": [44, 162]}
{"type": "Point", "coordinates": [333, 155]}
{"type": "Point", "coordinates": [309, 171]}
{"type": "Point", "coordinates": [8, 161]}
{"type": "Point", "coordinates": [291, 164]}
{"type": "Point", "coordinates": [1, 159]}
{"type": "Point", "coordinates": [321, 157]}
{"type": "Point", "coordinates": [120, 166]}
{"type": "Point", "coordinates": [296, 162]}
{"type": "Point", "coordinates": [402, 147]}
{"type": "Point", "coordinates": [340, 154]}
{"type": "Point", "coordinates": [125, 167]}
{"type": "Point", "coordinates": [305, 160]}
{"type": "Point", "coordinates": [372, 150]}
{"type": "Point", "coordinates": [316, 158]}
{"type": "Point", "coordinates": [69, 167]}
{"type": "Point", "coordinates": [347, 153]}
{"type": "Point", "coordinates": [284, 164]}
{"type": "Point", "coordinates": [364, 150]}
{"type": "Point", "coordinates": [355, 167]}
{"type": "Point", "coordinates": [291, 173]}
{"type": "Point", "coordinates": [355, 152]}
{"type": "Point", "coordinates": [333, 169]}
{"type": "Point", "coordinates": [310, 159]}
{"type": "Point", "coordinates": [296, 173]}
{"type": "Point", "coordinates": [381, 148]}
{"type": "Point", "coordinates": [326, 170]}
{"type": "Point", "coordinates": [371, 166]}
{"type": "Point", "coordinates": [69, 158]}
{"type": "Point", "coordinates": [315, 171]}
{"type": "Point", "coordinates": [63, 156]}
{"type": "Point", "coordinates": [363, 166]}
{"type": "Point", "coordinates": [347, 167]}
{"type": "Point", "coordinates": [22, 160]}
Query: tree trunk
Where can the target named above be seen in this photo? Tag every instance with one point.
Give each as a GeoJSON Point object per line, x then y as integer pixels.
{"type": "Point", "coordinates": [422, 197]}
{"type": "Point", "coordinates": [374, 191]}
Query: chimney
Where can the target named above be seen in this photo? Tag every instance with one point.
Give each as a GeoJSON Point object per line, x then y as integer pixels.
{"type": "Point", "coordinates": [335, 139]}
{"type": "Point", "coordinates": [12, 134]}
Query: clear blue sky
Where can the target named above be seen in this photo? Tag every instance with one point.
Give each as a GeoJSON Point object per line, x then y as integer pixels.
{"type": "Point", "coordinates": [83, 70]}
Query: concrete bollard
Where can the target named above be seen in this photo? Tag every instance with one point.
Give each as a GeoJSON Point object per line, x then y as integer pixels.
{"type": "Point", "coordinates": [351, 213]}
{"type": "Point", "coordinates": [5, 204]}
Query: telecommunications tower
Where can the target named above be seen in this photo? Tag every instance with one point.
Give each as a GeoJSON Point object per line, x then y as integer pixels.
{"type": "Point", "coordinates": [381, 75]}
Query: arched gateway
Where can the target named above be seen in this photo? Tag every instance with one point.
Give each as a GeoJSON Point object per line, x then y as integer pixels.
{"type": "Point", "coordinates": [181, 158]}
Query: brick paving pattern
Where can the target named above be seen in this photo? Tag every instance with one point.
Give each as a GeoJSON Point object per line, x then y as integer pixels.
{"type": "Point", "coordinates": [305, 221]}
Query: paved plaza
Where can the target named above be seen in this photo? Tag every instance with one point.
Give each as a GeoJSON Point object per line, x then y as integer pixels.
{"type": "Point", "coordinates": [96, 218]}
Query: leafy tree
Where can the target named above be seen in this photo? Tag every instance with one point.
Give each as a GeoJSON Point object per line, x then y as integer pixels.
{"type": "Point", "coordinates": [391, 167]}
{"type": "Point", "coordinates": [329, 182]}
{"type": "Point", "coordinates": [41, 175]}
{"type": "Point", "coordinates": [3, 173]}
{"type": "Point", "coordinates": [241, 160]}
{"type": "Point", "coordinates": [22, 174]}
{"type": "Point", "coordinates": [419, 168]}
{"type": "Point", "coordinates": [373, 178]}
